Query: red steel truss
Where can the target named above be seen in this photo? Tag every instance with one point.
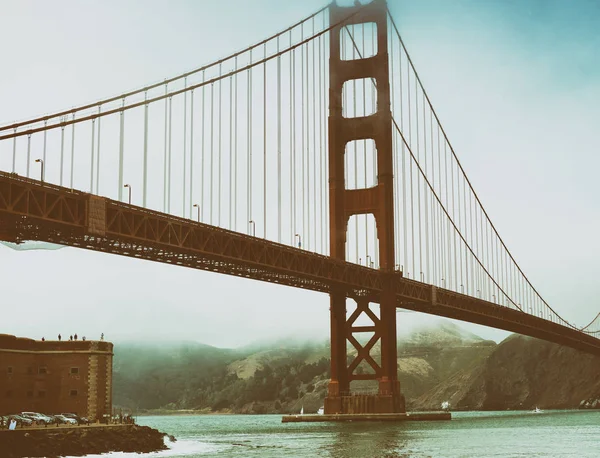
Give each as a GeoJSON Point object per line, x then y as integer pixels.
{"type": "Point", "coordinates": [33, 210]}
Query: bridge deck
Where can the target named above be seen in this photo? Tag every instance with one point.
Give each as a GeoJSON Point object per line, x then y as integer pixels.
{"type": "Point", "coordinates": [33, 210]}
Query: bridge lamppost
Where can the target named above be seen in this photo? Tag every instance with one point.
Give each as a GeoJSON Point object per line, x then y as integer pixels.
{"type": "Point", "coordinates": [494, 297]}
{"type": "Point", "coordinates": [299, 240]}
{"type": "Point", "coordinates": [477, 293]}
{"type": "Point", "coordinates": [198, 207]}
{"type": "Point", "coordinates": [444, 283]}
{"type": "Point", "coordinates": [129, 192]}
{"type": "Point", "coordinates": [422, 277]}
{"type": "Point", "coordinates": [462, 288]}
{"type": "Point", "coordinates": [253, 224]}
{"type": "Point", "coordinates": [41, 162]}
{"type": "Point", "coordinates": [368, 262]}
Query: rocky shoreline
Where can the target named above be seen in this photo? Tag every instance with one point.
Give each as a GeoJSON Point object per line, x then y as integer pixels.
{"type": "Point", "coordinates": [53, 443]}
{"type": "Point", "coordinates": [591, 403]}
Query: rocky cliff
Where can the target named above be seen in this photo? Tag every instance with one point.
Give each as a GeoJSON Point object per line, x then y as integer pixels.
{"type": "Point", "coordinates": [520, 373]}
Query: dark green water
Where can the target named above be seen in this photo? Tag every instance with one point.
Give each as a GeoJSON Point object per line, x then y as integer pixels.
{"type": "Point", "coordinates": [469, 434]}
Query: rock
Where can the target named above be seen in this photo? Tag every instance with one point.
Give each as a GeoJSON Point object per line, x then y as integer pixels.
{"type": "Point", "coordinates": [80, 441]}
{"type": "Point", "coordinates": [521, 373]}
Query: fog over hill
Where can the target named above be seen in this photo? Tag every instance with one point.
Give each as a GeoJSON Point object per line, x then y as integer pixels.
{"type": "Point", "coordinates": [437, 362]}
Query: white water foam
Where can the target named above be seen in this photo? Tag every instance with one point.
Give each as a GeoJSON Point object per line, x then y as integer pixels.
{"type": "Point", "coordinates": [184, 447]}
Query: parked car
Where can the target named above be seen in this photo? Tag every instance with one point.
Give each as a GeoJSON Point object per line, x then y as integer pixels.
{"type": "Point", "coordinates": [21, 421]}
{"type": "Point", "coordinates": [39, 418]}
{"type": "Point", "coordinates": [80, 420]}
{"type": "Point", "coordinates": [66, 420]}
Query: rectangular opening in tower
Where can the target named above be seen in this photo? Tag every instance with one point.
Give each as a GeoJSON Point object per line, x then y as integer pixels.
{"type": "Point", "coordinates": [362, 245]}
{"type": "Point", "coordinates": [358, 41]}
{"type": "Point", "coordinates": [361, 164]}
{"type": "Point", "coordinates": [359, 98]}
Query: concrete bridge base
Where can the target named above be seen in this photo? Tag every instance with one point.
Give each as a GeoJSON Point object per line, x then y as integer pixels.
{"type": "Point", "coordinates": [418, 416]}
{"type": "Point", "coordinates": [365, 404]}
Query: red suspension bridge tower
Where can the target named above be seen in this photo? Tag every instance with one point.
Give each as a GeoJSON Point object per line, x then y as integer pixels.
{"type": "Point", "coordinates": [377, 200]}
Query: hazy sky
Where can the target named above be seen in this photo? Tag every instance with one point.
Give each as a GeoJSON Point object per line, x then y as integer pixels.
{"type": "Point", "coordinates": [515, 83]}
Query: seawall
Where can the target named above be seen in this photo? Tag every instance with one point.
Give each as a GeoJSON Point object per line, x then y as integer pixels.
{"type": "Point", "coordinates": [79, 441]}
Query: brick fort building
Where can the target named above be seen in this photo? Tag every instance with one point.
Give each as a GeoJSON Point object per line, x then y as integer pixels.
{"type": "Point", "coordinates": [55, 377]}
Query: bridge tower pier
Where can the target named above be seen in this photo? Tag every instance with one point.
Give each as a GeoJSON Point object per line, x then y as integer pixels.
{"type": "Point", "coordinates": [344, 203]}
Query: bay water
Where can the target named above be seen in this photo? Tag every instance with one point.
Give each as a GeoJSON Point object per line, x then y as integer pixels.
{"type": "Point", "coordinates": [468, 434]}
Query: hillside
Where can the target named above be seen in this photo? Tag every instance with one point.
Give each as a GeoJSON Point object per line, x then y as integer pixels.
{"type": "Point", "coordinates": [520, 373]}
{"type": "Point", "coordinates": [276, 376]}
{"type": "Point", "coordinates": [436, 363]}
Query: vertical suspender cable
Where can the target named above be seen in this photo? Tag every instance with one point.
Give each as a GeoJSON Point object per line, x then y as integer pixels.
{"type": "Point", "coordinates": [235, 139]}
{"type": "Point", "coordinates": [410, 164]}
{"type": "Point", "coordinates": [293, 173]}
{"type": "Point", "coordinates": [121, 152]}
{"type": "Point", "coordinates": [321, 121]}
{"type": "Point", "coordinates": [435, 242]}
{"type": "Point", "coordinates": [278, 143]}
{"type": "Point", "coordinates": [302, 143]}
{"type": "Point", "coordinates": [404, 212]}
{"type": "Point", "coordinates": [202, 161]}
{"type": "Point", "coordinates": [98, 152]}
{"type": "Point", "coordinates": [184, 149]}
{"type": "Point", "coordinates": [62, 152]}
{"type": "Point", "coordinates": [364, 142]}
{"type": "Point", "coordinates": [92, 158]}
{"type": "Point", "coordinates": [29, 157]}
{"type": "Point", "coordinates": [212, 151]}
{"type": "Point", "coordinates": [166, 151]}
{"type": "Point", "coordinates": [170, 154]}
{"type": "Point", "coordinates": [314, 135]}
{"type": "Point", "coordinates": [230, 152]}
{"type": "Point", "coordinates": [72, 153]}
{"type": "Point", "coordinates": [191, 208]}
{"type": "Point", "coordinates": [374, 105]}
{"type": "Point", "coordinates": [220, 168]}
{"type": "Point", "coordinates": [426, 194]}
{"type": "Point", "coordinates": [145, 165]}
{"type": "Point", "coordinates": [456, 255]}
{"type": "Point", "coordinates": [44, 150]}
{"type": "Point", "coordinates": [396, 204]}
{"type": "Point", "coordinates": [466, 234]}
{"type": "Point", "coordinates": [421, 273]}
{"type": "Point", "coordinates": [249, 181]}
{"type": "Point", "coordinates": [306, 154]}
{"type": "Point", "coordinates": [324, 182]}
{"type": "Point", "coordinates": [265, 143]}
{"type": "Point", "coordinates": [14, 157]}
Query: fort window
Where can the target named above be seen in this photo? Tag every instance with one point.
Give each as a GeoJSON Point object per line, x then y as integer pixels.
{"type": "Point", "coordinates": [74, 370]}
{"type": "Point", "coordinates": [73, 392]}
{"type": "Point", "coordinates": [42, 370]}
{"type": "Point", "coordinates": [30, 394]}
{"type": "Point", "coordinates": [9, 370]}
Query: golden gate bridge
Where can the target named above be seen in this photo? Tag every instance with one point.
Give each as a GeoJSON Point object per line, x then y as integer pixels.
{"type": "Point", "coordinates": [313, 159]}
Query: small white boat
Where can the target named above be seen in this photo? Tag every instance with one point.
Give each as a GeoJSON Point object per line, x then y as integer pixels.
{"type": "Point", "coordinates": [536, 410]}
{"type": "Point", "coordinates": [445, 406]}
{"type": "Point", "coordinates": [321, 410]}
{"type": "Point", "coordinates": [302, 411]}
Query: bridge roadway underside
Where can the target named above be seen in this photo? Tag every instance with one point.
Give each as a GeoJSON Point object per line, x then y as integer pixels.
{"type": "Point", "coordinates": [33, 210]}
